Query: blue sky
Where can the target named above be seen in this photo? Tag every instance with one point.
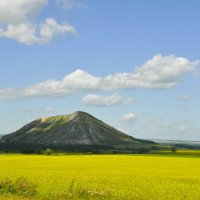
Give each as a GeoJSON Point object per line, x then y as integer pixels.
{"type": "Point", "coordinates": [134, 64]}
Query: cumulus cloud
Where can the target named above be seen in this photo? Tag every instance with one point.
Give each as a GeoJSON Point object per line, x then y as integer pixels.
{"type": "Point", "coordinates": [26, 32]}
{"type": "Point", "coordinates": [18, 11]}
{"type": "Point", "coordinates": [74, 82]}
{"type": "Point", "coordinates": [129, 117]}
{"type": "Point", "coordinates": [99, 100]}
{"type": "Point", "coordinates": [160, 72]}
{"type": "Point", "coordinates": [17, 22]}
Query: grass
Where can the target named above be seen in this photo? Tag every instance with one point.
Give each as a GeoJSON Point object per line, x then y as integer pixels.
{"type": "Point", "coordinates": [52, 122]}
{"type": "Point", "coordinates": [134, 177]}
{"type": "Point", "coordinates": [194, 152]}
{"type": "Point", "coordinates": [20, 187]}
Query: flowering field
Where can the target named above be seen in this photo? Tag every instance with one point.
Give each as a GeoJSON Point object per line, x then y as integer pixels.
{"type": "Point", "coordinates": [140, 177]}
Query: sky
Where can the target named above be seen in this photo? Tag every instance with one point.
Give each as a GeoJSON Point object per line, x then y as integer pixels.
{"type": "Point", "coordinates": [134, 64]}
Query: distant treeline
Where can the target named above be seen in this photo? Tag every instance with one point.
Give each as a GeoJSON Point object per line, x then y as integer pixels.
{"type": "Point", "coordinates": [95, 149]}
{"type": "Point", "coordinates": [187, 146]}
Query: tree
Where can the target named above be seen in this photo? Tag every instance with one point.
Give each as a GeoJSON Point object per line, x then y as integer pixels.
{"type": "Point", "coordinates": [48, 152]}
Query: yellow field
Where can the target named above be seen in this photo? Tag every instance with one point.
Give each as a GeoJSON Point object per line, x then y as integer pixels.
{"type": "Point", "coordinates": [151, 177]}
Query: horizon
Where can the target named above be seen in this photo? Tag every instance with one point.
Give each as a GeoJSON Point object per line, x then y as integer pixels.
{"type": "Point", "coordinates": [150, 139]}
{"type": "Point", "coordinates": [134, 65]}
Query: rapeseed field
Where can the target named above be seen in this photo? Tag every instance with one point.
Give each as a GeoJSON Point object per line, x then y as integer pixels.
{"type": "Point", "coordinates": [130, 177]}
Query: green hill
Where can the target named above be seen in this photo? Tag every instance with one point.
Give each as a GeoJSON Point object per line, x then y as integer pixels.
{"type": "Point", "coordinates": [78, 130]}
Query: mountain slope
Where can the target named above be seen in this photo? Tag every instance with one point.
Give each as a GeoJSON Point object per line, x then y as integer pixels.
{"type": "Point", "coordinates": [79, 128]}
{"type": "Point", "coordinates": [1, 135]}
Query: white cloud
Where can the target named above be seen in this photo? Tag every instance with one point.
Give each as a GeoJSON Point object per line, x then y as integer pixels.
{"type": "Point", "coordinates": [74, 82]}
{"type": "Point", "coordinates": [17, 22]}
{"type": "Point", "coordinates": [185, 97]}
{"type": "Point", "coordinates": [24, 33]}
{"type": "Point", "coordinates": [160, 72]}
{"type": "Point", "coordinates": [18, 11]}
{"type": "Point", "coordinates": [99, 100]}
{"type": "Point", "coordinates": [51, 29]}
{"type": "Point", "coordinates": [69, 4]}
{"type": "Point", "coordinates": [129, 117]}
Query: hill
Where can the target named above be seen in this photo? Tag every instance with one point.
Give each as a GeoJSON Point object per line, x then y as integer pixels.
{"type": "Point", "coordinates": [1, 135]}
{"type": "Point", "coordinates": [77, 131]}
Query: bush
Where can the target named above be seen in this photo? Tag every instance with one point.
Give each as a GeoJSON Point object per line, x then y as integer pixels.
{"type": "Point", "coordinates": [48, 152]}
{"type": "Point", "coordinates": [20, 186]}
